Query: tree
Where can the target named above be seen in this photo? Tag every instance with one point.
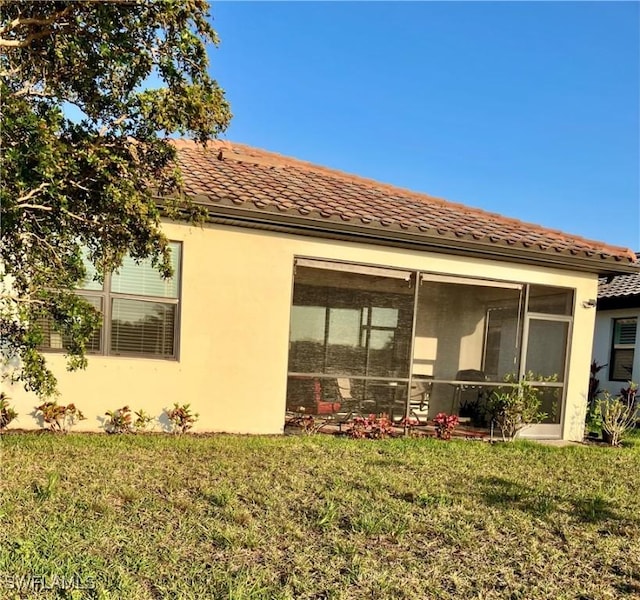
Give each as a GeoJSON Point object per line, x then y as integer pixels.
{"type": "Point", "coordinates": [91, 184]}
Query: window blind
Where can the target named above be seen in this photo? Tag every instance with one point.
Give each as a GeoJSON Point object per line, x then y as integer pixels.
{"type": "Point", "coordinates": [623, 350]}
{"type": "Point", "coordinates": [625, 332]}
{"type": "Point", "coordinates": [622, 363]}
{"type": "Point", "coordinates": [142, 279]}
{"type": "Point", "coordinates": [141, 327]}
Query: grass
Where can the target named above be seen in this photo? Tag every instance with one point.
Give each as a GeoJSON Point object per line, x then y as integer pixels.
{"type": "Point", "coordinates": [230, 517]}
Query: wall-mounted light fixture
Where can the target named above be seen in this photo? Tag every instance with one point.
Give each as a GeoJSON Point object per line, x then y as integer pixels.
{"type": "Point", "coordinates": [591, 303]}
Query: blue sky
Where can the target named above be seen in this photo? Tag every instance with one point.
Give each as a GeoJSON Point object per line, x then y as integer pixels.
{"type": "Point", "coordinates": [529, 109]}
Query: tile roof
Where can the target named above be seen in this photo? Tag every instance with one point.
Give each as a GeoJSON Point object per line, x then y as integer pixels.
{"type": "Point", "coordinates": [245, 179]}
{"type": "Point", "coordinates": [620, 286]}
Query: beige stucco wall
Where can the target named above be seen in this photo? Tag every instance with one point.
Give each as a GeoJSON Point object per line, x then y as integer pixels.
{"type": "Point", "coordinates": [236, 297]}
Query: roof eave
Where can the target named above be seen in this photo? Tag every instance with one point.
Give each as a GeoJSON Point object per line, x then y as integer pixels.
{"type": "Point", "coordinates": [461, 246]}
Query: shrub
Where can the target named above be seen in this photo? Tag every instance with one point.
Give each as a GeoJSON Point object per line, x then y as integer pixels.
{"type": "Point", "coordinates": [357, 428]}
{"type": "Point", "coordinates": [59, 418]}
{"type": "Point", "coordinates": [373, 427]}
{"type": "Point", "coordinates": [7, 413]}
{"type": "Point", "coordinates": [142, 420]}
{"type": "Point", "coordinates": [181, 417]}
{"type": "Point", "coordinates": [516, 407]}
{"type": "Point", "coordinates": [380, 427]}
{"type": "Point", "coordinates": [618, 413]}
{"type": "Point", "coordinates": [120, 420]}
{"type": "Point", "coordinates": [594, 382]}
{"type": "Point", "coordinates": [593, 416]}
{"type": "Point", "coordinates": [445, 424]}
{"type": "Point", "coordinates": [593, 420]}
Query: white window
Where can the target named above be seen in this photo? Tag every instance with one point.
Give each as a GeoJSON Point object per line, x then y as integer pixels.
{"type": "Point", "coordinates": [622, 349]}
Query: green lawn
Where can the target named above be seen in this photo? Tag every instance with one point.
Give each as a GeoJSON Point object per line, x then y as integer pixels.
{"type": "Point", "coordinates": [228, 517]}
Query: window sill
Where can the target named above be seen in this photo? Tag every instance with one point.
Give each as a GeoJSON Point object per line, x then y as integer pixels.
{"type": "Point", "coordinates": [61, 352]}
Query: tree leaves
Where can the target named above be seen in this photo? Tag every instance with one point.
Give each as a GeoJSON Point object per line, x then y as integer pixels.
{"type": "Point", "coordinates": [93, 182]}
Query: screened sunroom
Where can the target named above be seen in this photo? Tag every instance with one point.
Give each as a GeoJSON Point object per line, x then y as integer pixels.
{"type": "Point", "coordinates": [368, 339]}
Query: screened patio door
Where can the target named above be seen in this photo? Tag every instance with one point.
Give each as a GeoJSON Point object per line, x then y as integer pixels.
{"type": "Point", "coordinates": [545, 352]}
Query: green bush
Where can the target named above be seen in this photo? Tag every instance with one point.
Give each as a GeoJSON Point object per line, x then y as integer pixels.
{"type": "Point", "coordinates": [142, 420]}
{"type": "Point", "coordinates": [513, 408]}
{"type": "Point", "coordinates": [120, 420]}
{"type": "Point", "coordinates": [181, 417]}
{"type": "Point", "coordinates": [618, 413]}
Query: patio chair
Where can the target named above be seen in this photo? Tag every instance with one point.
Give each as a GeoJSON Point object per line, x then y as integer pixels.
{"type": "Point", "coordinates": [420, 395]}
{"type": "Point", "coordinates": [342, 398]}
{"type": "Point", "coordinates": [349, 406]}
{"type": "Point", "coordinates": [418, 403]}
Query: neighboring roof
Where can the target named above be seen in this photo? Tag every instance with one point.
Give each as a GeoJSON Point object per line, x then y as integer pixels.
{"type": "Point", "coordinates": [246, 186]}
{"type": "Point", "coordinates": [621, 285]}
{"type": "Point", "coordinates": [621, 291]}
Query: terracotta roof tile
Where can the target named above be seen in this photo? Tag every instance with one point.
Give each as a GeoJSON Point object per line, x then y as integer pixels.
{"type": "Point", "coordinates": [238, 175]}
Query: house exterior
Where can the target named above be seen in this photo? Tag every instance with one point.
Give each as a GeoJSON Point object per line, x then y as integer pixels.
{"type": "Point", "coordinates": [617, 333]}
{"type": "Point", "coordinates": [316, 292]}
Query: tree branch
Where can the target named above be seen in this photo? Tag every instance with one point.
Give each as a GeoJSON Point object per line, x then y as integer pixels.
{"type": "Point", "coordinates": [117, 122]}
{"type": "Point", "coordinates": [22, 21]}
{"type": "Point", "coordinates": [30, 195]}
{"type": "Point", "coordinates": [80, 187]}
{"type": "Point", "coordinates": [74, 216]}
{"type": "Point", "coordinates": [29, 90]}
{"type": "Point", "coordinates": [36, 206]}
{"type": "Point", "coordinates": [19, 299]}
{"type": "Point", "coordinates": [10, 72]}
{"type": "Point", "coordinates": [49, 208]}
{"type": "Point", "coordinates": [30, 22]}
{"type": "Point", "coordinates": [32, 37]}
{"type": "Point", "coordinates": [44, 242]}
